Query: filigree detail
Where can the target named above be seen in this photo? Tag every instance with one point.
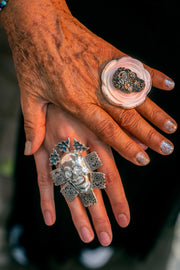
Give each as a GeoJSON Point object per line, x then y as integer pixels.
{"type": "Point", "coordinates": [98, 180]}
{"type": "Point", "coordinates": [75, 172]}
{"type": "Point", "coordinates": [127, 81]}
{"type": "Point", "coordinates": [54, 158]}
{"type": "Point", "coordinates": [64, 146]}
{"type": "Point", "coordinates": [69, 191]}
{"type": "Point", "coordinates": [88, 198]}
{"type": "Point", "coordinates": [93, 161]}
{"type": "Point", "coordinates": [58, 177]}
{"type": "Point", "coordinates": [79, 147]}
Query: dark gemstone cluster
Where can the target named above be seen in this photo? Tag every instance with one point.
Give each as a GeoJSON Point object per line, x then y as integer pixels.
{"type": "Point", "coordinates": [127, 81]}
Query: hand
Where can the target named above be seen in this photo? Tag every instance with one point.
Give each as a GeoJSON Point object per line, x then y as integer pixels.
{"type": "Point", "coordinates": [59, 61]}
{"type": "Point", "coordinates": [59, 126]}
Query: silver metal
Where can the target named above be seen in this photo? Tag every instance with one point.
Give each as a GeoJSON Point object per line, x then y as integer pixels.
{"type": "Point", "coordinates": [75, 172]}
{"type": "Point", "coordinates": [127, 81]}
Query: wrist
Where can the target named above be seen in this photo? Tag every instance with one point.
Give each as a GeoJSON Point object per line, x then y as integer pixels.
{"type": "Point", "coordinates": [19, 11]}
{"type": "Point", "coordinates": [26, 13]}
{"type": "Point", "coordinates": [16, 8]}
{"type": "Point", "coordinates": [21, 18]}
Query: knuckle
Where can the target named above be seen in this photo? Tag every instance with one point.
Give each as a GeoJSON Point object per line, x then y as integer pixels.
{"type": "Point", "coordinates": [29, 129]}
{"type": "Point", "coordinates": [151, 134]}
{"type": "Point", "coordinates": [129, 119]}
{"type": "Point", "coordinates": [28, 125]}
{"type": "Point", "coordinates": [106, 129]}
{"type": "Point", "coordinates": [33, 125]}
{"type": "Point", "coordinates": [156, 114]}
{"type": "Point", "coordinates": [101, 221]}
{"type": "Point", "coordinates": [43, 180]}
{"type": "Point", "coordinates": [122, 204]}
{"type": "Point", "coordinates": [110, 178]}
{"type": "Point", "coordinates": [129, 146]}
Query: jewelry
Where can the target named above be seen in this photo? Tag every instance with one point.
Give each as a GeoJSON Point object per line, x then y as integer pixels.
{"type": "Point", "coordinates": [125, 82]}
{"type": "Point", "coordinates": [3, 4]}
{"type": "Point", "coordinates": [75, 172]}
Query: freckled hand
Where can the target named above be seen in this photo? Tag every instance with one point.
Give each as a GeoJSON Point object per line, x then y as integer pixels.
{"type": "Point", "coordinates": [59, 61]}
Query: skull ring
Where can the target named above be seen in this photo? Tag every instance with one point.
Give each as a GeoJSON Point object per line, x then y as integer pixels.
{"type": "Point", "coordinates": [75, 172]}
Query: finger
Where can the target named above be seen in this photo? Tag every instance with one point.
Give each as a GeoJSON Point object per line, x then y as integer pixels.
{"type": "Point", "coordinates": [157, 116]}
{"type": "Point", "coordinates": [78, 212]}
{"type": "Point", "coordinates": [109, 131]}
{"type": "Point", "coordinates": [137, 126]}
{"type": "Point", "coordinates": [100, 220]}
{"type": "Point", "coordinates": [81, 220]}
{"type": "Point", "coordinates": [34, 113]}
{"type": "Point", "coordinates": [114, 187]}
{"type": "Point", "coordinates": [144, 147]}
{"type": "Point", "coordinates": [45, 187]}
{"type": "Point", "coordinates": [160, 80]}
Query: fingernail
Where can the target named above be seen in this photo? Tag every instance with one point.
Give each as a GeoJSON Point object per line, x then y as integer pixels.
{"type": "Point", "coordinates": [169, 83]}
{"type": "Point", "coordinates": [48, 218]}
{"type": "Point", "coordinates": [166, 147]}
{"type": "Point", "coordinates": [27, 149]}
{"type": "Point", "coordinates": [170, 126]}
{"type": "Point", "coordinates": [104, 239]}
{"type": "Point", "coordinates": [142, 159]}
{"type": "Point", "coordinates": [86, 235]}
{"type": "Point", "coordinates": [123, 221]}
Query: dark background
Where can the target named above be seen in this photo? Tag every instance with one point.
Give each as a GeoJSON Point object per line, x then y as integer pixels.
{"type": "Point", "coordinates": [148, 31]}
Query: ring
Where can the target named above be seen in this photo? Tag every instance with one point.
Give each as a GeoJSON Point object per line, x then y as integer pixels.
{"type": "Point", "coordinates": [75, 172]}
{"type": "Point", "coordinates": [125, 82]}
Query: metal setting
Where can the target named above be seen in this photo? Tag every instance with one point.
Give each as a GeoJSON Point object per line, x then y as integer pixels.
{"type": "Point", "coordinates": [75, 172]}
{"type": "Point", "coordinates": [127, 81]}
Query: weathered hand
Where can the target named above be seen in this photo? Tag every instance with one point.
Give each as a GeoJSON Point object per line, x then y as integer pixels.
{"type": "Point", "coordinates": [59, 126]}
{"type": "Point", "coordinates": [59, 61]}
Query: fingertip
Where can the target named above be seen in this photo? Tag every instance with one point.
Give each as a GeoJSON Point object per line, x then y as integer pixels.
{"type": "Point", "coordinates": [105, 239]}
{"type": "Point", "coordinates": [49, 218]}
{"type": "Point", "coordinates": [34, 126]}
{"type": "Point", "coordinates": [169, 84]}
{"type": "Point", "coordinates": [142, 159]}
{"type": "Point", "coordinates": [170, 126]}
{"type": "Point", "coordinates": [86, 235]}
{"type": "Point", "coordinates": [33, 144]}
{"type": "Point", "coordinates": [166, 147]}
{"type": "Point", "coordinates": [123, 220]}
{"type": "Point", "coordinates": [160, 80]}
{"type": "Point", "coordinates": [27, 148]}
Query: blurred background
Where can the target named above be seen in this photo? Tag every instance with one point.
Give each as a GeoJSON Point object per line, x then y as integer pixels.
{"type": "Point", "coordinates": [149, 32]}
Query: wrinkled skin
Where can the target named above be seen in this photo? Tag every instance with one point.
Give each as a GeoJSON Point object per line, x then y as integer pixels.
{"type": "Point", "coordinates": [59, 61]}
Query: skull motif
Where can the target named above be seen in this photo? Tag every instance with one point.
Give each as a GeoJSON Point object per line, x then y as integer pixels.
{"type": "Point", "coordinates": [75, 173]}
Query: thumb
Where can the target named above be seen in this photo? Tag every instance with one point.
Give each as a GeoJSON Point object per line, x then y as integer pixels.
{"type": "Point", "coordinates": [34, 113]}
